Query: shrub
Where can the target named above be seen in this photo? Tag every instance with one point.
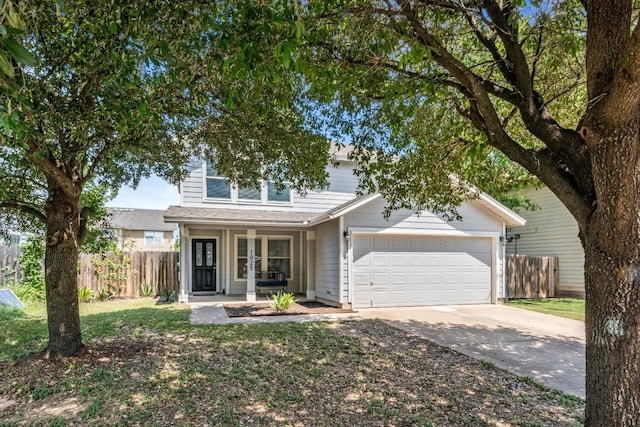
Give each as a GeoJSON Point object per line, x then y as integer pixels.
{"type": "Point", "coordinates": [146, 290]}
{"type": "Point", "coordinates": [32, 285]}
{"type": "Point", "coordinates": [281, 301]}
{"type": "Point", "coordinates": [85, 294]}
{"type": "Point", "coordinates": [106, 293]}
{"type": "Point", "coordinates": [167, 295]}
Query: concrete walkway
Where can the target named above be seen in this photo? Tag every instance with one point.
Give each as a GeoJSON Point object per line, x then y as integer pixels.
{"type": "Point", "coordinates": [547, 348]}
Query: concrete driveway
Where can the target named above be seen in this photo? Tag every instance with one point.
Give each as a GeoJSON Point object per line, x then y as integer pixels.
{"type": "Point", "coordinates": [547, 348]}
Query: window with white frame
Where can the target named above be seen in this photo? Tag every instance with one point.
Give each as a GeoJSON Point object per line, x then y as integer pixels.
{"type": "Point", "coordinates": [153, 238]}
{"type": "Point", "coordinates": [219, 187]}
{"type": "Point", "coordinates": [278, 250]}
{"type": "Point", "coordinates": [275, 195]}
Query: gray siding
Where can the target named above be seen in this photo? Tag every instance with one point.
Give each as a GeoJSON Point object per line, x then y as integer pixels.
{"type": "Point", "coordinates": [552, 231]}
{"type": "Point", "coordinates": [191, 188]}
{"type": "Point", "coordinates": [327, 261]}
{"type": "Point", "coordinates": [474, 219]}
{"type": "Point", "coordinates": [342, 188]}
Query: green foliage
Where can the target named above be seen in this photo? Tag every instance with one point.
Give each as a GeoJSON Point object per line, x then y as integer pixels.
{"type": "Point", "coordinates": [32, 284]}
{"type": "Point", "coordinates": [167, 295]}
{"type": "Point", "coordinates": [108, 292]}
{"type": "Point", "coordinates": [281, 301]}
{"type": "Point", "coordinates": [85, 294]}
{"type": "Point", "coordinates": [113, 267]}
{"type": "Point", "coordinates": [146, 290]}
{"type": "Point", "coordinates": [99, 238]}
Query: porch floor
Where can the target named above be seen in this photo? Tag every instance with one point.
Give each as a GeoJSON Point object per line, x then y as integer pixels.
{"type": "Point", "coordinates": [239, 299]}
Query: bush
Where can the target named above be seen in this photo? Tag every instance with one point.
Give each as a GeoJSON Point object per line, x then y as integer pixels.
{"type": "Point", "coordinates": [281, 301]}
{"type": "Point", "coordinates": [167, 295]}
{"type": "Point", "coordinates": [31, 287]}
{"type": "Point", "coordinates": [146, 290]}
{"type": "Point", "coordinates": [85, 294]}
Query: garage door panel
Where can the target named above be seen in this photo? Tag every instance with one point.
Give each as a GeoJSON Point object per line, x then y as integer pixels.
{"type": "Point", "coordinates": [399, 260]}
{"type": "Point", "coordinates": [416, 270]}
{"type": "Point", "coordinates": [417, 278]}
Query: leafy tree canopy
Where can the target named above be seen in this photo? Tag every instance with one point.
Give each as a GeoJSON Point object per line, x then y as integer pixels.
{"type": "Point", "coordinates": [365, 76]}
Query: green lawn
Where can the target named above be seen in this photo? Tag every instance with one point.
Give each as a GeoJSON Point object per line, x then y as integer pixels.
{"type": "Point", "coordinates": [148, 366]}
{"type": "Point", "coordinates": [571, 308]}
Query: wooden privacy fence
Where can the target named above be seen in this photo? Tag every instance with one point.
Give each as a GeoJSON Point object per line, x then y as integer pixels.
{"type": "Point", "coordinates": [531, 277]}
{"type": "Point", "coordinates": [9, 268]}
{"type": "Point", "coordinates": [129, 271]}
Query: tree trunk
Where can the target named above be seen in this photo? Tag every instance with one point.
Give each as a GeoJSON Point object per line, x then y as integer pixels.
{"type": "Point", "coordinates": [611, 238]}
{"type": "Point", "coordinates": [61, 277]}
{"type": "Point", "coordinates": [613, 340]}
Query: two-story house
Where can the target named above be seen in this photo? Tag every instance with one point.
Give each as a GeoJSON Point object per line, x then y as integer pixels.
{"type": "Point", "coordinates": [334, 247]}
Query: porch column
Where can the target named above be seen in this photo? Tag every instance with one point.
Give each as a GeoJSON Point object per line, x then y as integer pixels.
{"type": "Point", "coordinates": [183, 278]}
{"type": "Point", "coordinates": [311, 264]}
{"type": "Point", "coordinates": [251, 265]}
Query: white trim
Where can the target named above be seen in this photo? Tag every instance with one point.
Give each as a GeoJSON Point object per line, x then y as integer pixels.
{"type": "Point", "coordinates": [422, 232]}
{"type": "Point", "coordinates": [342, 258]}
{"type": "Point", "coordinates": [516, 219]}
{"type": "Point", "coordinates": [264, 242]}
{"type": "Point", "coordinates": [234, 197]}
{"type": "Point", "coordinates": [495, 247]}
{"type": "Point", "coordinates": [350, 266]}
{"type": "Point", "coordinates": [356, 203]}
{"type": "Point", "coordinates": [301, 248]}
{"type": "Point", "coordinates": [183, 297]}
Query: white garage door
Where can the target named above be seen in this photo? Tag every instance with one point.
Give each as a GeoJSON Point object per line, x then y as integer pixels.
{"type": "Point", "coordinates": [393, 271]}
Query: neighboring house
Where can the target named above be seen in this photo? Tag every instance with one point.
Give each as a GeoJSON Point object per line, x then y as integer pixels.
{"type": "Point", "coordinates": [334, 247]}
{"type": "Point", "coordinates": [141, 229]}
{"type": "Point", "coordinates": [551, 231]}
{"type": "Point", "coordinates": [15, 238]}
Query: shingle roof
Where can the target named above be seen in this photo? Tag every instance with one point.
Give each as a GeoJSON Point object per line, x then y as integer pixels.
{"type": "Point", "coordinates": [139, 219]}
{"type": "Point", "coordinates": [220, 215]}
{"type": "Point", "coordinates": [297, 218]}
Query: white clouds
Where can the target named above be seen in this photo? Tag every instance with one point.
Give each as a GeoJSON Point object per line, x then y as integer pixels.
{"type": "Point", "coordinates": [153, 193]}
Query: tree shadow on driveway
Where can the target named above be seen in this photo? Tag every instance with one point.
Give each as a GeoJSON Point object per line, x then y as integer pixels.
{"type": "Point", "coordinates": [556, 361]}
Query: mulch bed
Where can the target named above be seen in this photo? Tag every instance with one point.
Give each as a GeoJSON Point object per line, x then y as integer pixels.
{"type": "Point", "coordinates": [311, 307]}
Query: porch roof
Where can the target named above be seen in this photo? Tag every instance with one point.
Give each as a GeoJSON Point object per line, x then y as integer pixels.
{"type": "Point", "coordinates": [238, 216]}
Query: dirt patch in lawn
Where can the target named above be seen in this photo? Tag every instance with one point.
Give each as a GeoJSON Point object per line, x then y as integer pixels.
{"type": "Point", "coordinates": [353, 373]}
{"type": "Point", "coordinates": [250, 310]}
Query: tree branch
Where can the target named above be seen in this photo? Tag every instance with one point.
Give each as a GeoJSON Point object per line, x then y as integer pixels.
{"type": "Point", "coordinates": [26, 208]}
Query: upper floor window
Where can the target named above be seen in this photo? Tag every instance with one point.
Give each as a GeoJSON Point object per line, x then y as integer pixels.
{"type": "Point", "coordinates": [153, 238]}
{"type": "Point", "coordinates": [219, 187]}
{"type": "Point", "coordinates": [273, 195]}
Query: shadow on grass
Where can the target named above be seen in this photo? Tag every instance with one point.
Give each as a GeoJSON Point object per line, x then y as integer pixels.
{"type": "Point", "coordinates": [162, 318]}
{"type": "Point", "coordinates": [351, 373]}
{"type": "Point", "coordinates": [21, 332]}
{"type": "Point", "coordinates": [24, 332]}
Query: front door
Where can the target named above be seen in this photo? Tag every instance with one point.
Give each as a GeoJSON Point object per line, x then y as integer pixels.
{"type": "Point", "coordinates": [204, 265]}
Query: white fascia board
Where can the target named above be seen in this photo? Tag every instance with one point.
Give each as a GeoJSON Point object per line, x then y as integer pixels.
{"type": "Point", "coordinates": [355, 205]}
{"type": "Point", "coordinates": [511, 218]}
{"type": "Point", "coordinates": [423, 232]}
{"type": "Point", "coordinates": [242, 223]}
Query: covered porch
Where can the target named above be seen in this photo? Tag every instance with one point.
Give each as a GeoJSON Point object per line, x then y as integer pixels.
{"type": "Point", "coordinates": [238, 264]}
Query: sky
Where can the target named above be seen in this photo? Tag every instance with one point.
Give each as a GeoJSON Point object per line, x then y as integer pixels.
{"type": "Point", "coordinates": [153, 193]}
